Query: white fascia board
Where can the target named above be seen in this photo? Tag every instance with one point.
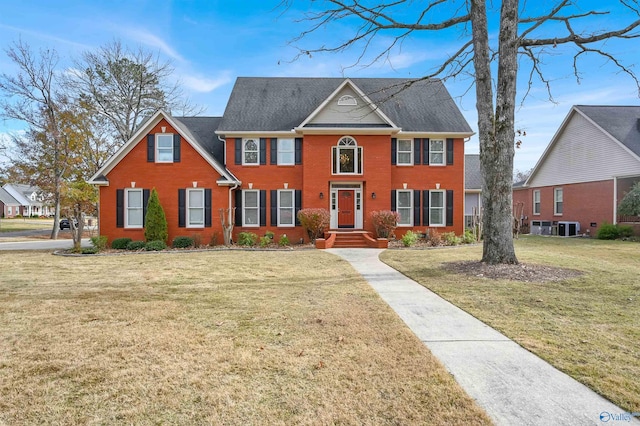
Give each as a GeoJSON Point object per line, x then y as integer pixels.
{"type": "Point", "coordinates": [254, 133]}
{"type": "Point", "coordinates": [437, 134]}
{"type": "Point", "coordinates": [347, 130]}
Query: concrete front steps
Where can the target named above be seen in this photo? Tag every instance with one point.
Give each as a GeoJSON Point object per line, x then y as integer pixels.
{"type": "Point", "coordinates": [350, 239]}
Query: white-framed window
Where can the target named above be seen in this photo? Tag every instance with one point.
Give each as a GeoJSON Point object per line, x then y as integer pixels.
{"type": "Point", "coordinates": [286, 152]}
{"type": "Point", "coordinates": [404, 152]}
{"type": "Point", "coordinates": [557, 201]}
{"type": "Point", "coordinates": [436, 208]}
{"type": "Point", "coordinates": [536, 201]}
{"type": "Point", "coordinates": [195, 208]}
{"type": "Point", "coordinates": [164, 148]}
{"type": "Point", "coordinates": [436, 151]}
{"type": "Point", "coordinates": [9, 210]}
{"type": "Point", "coordinates": [347, 157]}
{"type": "Point", "coordinates": [250, 151]}
{"type": "Point", "coordinates": [251, 208]}
{"type": "Point", "coordinates": [286, 207]}
{"type": "Point", "coordinates": [404, 207]}
{"type": "Point", "coordinates": [134, 208]}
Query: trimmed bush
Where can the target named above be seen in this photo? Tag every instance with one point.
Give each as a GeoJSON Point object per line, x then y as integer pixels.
{"type": "Point", "coordinates": [451, 239]}
{"type": "Point", "coordinates": [155, 245]}
{"type": "Point", "coordinates": [625, 231]}
{"type": "Point", "coordinates": [99, 242]}
{"type": "Point", "coordinates": [247, 239]}
{"type": "Point", "coordinates": [155, 228]}
{"type": "Point", "coordinates": [284, 241]}
{"type": "Point", "coordinates": [409, 238]}
{"type": "Point", "coordinates": [265, 241]}
{"type": "Point", "coordinates": [608, 231]}
{"type": "Point", "coordinates": [182, 242]}
{"type": "Point", "coordinates": [136, 245]}
{"type": "Point", "coordinates": [315, 221]}
{"type": "Point", "coordinates": [120, 243]}
{"type": "Point", "coordinates": [384, 222]}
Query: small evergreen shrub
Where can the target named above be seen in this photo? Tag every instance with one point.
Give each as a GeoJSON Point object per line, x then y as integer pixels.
{"type": "Point", "coordinates": [625, 231]}
{"type": "Point", "coordinates": [99, 242]}
{"type": "Point", "coordinates": [409, 238]}
{"type": "Point", "coordinates": [270, 235]}
{"type": "Point", "coordinates": [155, 227]}
{"type": "Point", "coordinates": [384, 222]}
{"type": "Point", "coordinates": [284, 241]}
{"type": "Point", "coordinates": [451, 239]}
{"type": "Point", "coordinates": [608, 231]}
{"type": "Point", "coordinates": [265, 241]}
{"type": "Point", "coordinates": [247, 239]}
{"type": "Point", "coordinates": [120, 243]}
{"type": "Point", "coordinates": [156, 245]}
{"type": "Point", "coordinates": [89, 250]}
{"type": "Point", "coordinates": [135, 245]}
{"type": "Point", "coordinates": [182, 242]}
{"type": "Point", "coordinates": [315, 221]}
{"type": "Point", "coordinates": [468, 237]}
{"type": "Point", "coordinates": [433, 237]}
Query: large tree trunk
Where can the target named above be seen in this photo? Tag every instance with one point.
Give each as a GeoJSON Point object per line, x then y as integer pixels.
{"type": "Point", "coordinates": [496, 132]}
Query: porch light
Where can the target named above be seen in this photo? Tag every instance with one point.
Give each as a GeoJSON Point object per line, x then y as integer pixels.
{"type": "Point", "coordinates": [321, 195]}
{"type": "Point", "coordinates": [373, 195]}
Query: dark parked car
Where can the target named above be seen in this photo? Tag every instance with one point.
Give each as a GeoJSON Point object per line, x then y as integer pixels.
{"type": "Point", "coordinates": [66, 224]}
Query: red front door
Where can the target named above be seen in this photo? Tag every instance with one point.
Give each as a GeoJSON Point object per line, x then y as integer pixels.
{"type": "Point", "coordinates": [346, 210]}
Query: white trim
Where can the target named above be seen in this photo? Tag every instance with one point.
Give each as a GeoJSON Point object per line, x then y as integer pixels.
{"type": "Point", "coordinates": [256, 208]}
{"type": "Point", "coordinates": [356, 187]}
{"type": "Point", "coordinates": [126, 208]}
{"type": "Point", "coordinates": [444, 152]}
{"type": "Point", "coordinates": [410, 208]}
{"type": "Point", "coordinates": [279, 151]}
{"type": "Point", "coordinates": [350, 130]}
{"type": "Point", "coordinates": [188, 208]}
{"type": "Point", "coordinates": [444, 208]}
{"type": "Point", "coordinates": [279, 207]}
{"type": "Point", "coordinates": [358, 157]}
{"type": "Point", "coordinates": [410, 152]}
{"type": "Point", "coordinates": [558, 190]}
{"type": "Point", "coordinates": [533, 208]}
{"type": "Point", "coordinates": [156, 147]}
{"type": "Point", "coordinates": [244, 152]}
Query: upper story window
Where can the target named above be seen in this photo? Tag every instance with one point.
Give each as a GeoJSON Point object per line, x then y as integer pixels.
{"type": "Point", "coordinates": [536, 201]}
{"type": "Point", "coordinates": [347, 100]}
{"type": "Point", "coordinates": [347, 157]}
{"type": "Point", "coordinates": [250, 151]}
{"type": "Point", "coordinates": [557, 201]}
{"type": "Point", "coordinates": [134, 208]}
{"type": "Point", "coordinates": [286, 152]}
{"type": "Point", "coordinates": [404, 152]}
{"type": "Point", "coordinates": [436, 151]}
{"type": "Point", "coordinates": [164, 148]}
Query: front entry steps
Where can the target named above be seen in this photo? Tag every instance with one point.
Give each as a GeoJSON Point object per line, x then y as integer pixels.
{"type": "Point", "coordinates": [350, 239]}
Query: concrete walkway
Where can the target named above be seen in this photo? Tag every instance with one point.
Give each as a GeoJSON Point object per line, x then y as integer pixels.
{"type": "Point", "coordinates": [514, 386]}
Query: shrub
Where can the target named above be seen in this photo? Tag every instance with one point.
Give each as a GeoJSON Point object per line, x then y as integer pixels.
{"type": "Point", "coordinates": [155, 221]}
{"type": "Point", "coordinates": [135, 245]}
{"type": "Point", "coordinates": [89, 250]}
{"type": "Point", "coordinates": [270, 235]}
{"type": "Point", "coordinates": [608, 231]}
{"type": "Point", "coordinates": [409, 238]}
{"type": "Point", "coordinates": [265, 241]}
{"type": "Point", "coordinates": [213, 240]}
{"type": "Point", "coordinates": [284, 241]}
{"type": "Point", "coordinates": [433, 237]}
{"type": "Point", "coordinates": [182, 242]}
{"type": "Point", "coordinates": [315, 221]}
{"type": "Point", "coordinates": [384, 222]}
{"type": "Point", "coordinates": [247, 239]}
{"type": "Point", "coordinates": [197, 240]}
{"type": "Point", "coordinates": [625, 231]}
{"type": "Point", "coordinates": [451, 239]}
{"type": "Point", "coordinates": [468, 237]}
{"type": "Point", "coordinates": [120, 243]}
{"type": "Point", "coordinates": [99, 242]}
{"type": "Point", "coordinates": [156, 245]}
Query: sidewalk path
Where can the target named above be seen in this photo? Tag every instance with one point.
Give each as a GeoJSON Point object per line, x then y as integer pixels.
{"type": "Point", "coordinates": [514, 386]}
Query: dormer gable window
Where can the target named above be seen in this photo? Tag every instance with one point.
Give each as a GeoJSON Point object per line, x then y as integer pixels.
{"type": "Point", "coordinates": [347, 100]}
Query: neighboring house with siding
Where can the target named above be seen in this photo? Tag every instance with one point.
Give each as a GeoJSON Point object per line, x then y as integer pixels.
{"type": "Point", "coordinates": [351, 146]}
{"type": "Point", "coordinates": [31, 199]}
{"type": "Point", "coordinates": [9, 206]}
{"type": "Point", "coordinates": [589, 165]}
{"type": "Point", "coordinates": [472, 189]}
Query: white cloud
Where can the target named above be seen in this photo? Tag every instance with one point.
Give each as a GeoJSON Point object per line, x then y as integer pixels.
{"type": "Point", "coordinates": [44, 36]}
{"type": "Point", "coordinates": [204, 84]}
{"type": "Point", "coordinates": [145, 37]}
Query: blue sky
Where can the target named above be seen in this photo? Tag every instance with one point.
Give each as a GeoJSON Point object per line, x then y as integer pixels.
{"type": "Point", "coordinates": [211, 42]}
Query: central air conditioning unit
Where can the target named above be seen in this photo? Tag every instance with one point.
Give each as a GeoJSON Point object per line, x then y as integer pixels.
{"type": "Point", "coordinates": [541, 227]}
{"type": "Point", "coordinates": [568, 229]}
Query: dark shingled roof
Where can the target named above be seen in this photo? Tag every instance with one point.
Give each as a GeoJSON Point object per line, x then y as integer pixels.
{"type": "Point", "coordinates": [202, 130]}
{"type": "Point", "coordinates": [472, 175]}
{"type": "Point", "coordinates": [282, 103]}
{"type": "Point", "coordinates": [621, 122]}
{"type": "Point", "coordinates": [7, 198]}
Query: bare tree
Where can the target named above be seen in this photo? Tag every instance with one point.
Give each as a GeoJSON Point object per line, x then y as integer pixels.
{"type": "Point", "coordinates": [492, 63]}
{"type": "Point", "coordinates": [123, 87]}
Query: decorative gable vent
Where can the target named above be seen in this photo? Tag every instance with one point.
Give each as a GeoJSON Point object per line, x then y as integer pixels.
{"type": "Point", "coordinates": [347, 100]}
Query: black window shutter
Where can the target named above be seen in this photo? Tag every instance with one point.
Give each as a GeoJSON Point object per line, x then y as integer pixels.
{"type": "Point", "coordinates": [449, 151]}
{"type": "Point", "coordinates": [274, 151]}
{"type": "Point", "coordinates": [298, 205]}
{"type": "Point", "coordinates": [449, 207]}
{"type": "Point", "coordinates": [263, 150]}
{"type": "Point", "coordinates": [207, 207]}
{"type": "Point", "coordinates": [417, 149]}
{"type": "Point", "coordinates": [151, 148]}
{"type": "Point", "coordinates": [120, 208]}
{"type": "Point", "coordinates": [145, 201]}
{"type": "Point", "coordinates": [238, 151]}
{"type": "Point", "coordinates": [238, 208]}
{"type": "Point", "coordinates": [425, 151]}
{"type": "Point", "coordinates": [393, 200]}
{"type": "Point", "coordinates": [263, 207]}
{"type": "Point", "coordinates": [416, 208]}
{"type": "Point", "coordinates": [176, 148]}
{"type": "Point", "coordinates": [182, 207]}
{"type": "Point", "coordinates": [425, 208]}
{"type": "Point", "coordinates": [298, 153]}
{"type": "Point", "coordinates": [394, 151]}
{"type": "Point", "coordinates": [274, 207]}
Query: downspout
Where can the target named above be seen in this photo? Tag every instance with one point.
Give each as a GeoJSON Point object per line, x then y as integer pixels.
{"type": "Point", "coordinates": [615, 200]}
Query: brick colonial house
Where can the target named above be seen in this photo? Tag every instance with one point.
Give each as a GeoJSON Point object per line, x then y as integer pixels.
{"type": "Point", "coordinates": [589, 165]}
{"type": "Point", "coordinates": [351, 146]}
